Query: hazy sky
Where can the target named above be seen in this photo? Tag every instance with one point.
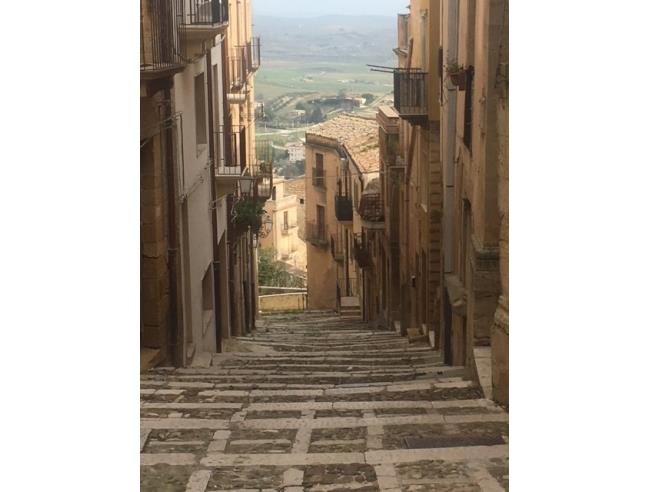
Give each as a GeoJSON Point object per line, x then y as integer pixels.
{"type": "Point", "coordinates": [308, 8]}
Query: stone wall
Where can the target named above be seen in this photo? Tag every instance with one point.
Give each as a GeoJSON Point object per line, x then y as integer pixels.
{"type": "Point", "coordinates": [283, 302]}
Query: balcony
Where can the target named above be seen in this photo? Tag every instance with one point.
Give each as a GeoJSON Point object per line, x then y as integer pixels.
{"type": "Point", "coordinates": [410, 94]}
{"type": "Point", "coordinates": [361, 252]}
{"type": "Point", "coordinates": [239, 69]}
{"type": "Point", "coordinates": [337, 247]}
{"type": "Point", "coordinates": [372, 210]}
{"type": "Point", "coordinates": [254, 54]}
{"type": "Point", "coordinates": [262, 169]}
{"type": "Point", "coordinates": [230, 151]}
{"type": "Point", "coordinates": [343, 208]}
{"type": "Point", "coordinates": [204, 19]}
{"type": "Point", "coordinates": [317, 234]}
{"type": "Point", "coordinates": [403, 35]}
{"type": "Point", "coordinates": [163, 47]}
{"type": "Point", "coordinates": [319, 178]}
{"type": "Point", "coordinates": [259, 111]}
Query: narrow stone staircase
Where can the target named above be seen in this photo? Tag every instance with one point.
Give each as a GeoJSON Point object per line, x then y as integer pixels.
{"type": "Point", "coordinates": [317, 402]}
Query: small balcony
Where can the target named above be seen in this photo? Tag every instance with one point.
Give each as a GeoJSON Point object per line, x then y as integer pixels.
{"type": "Point", "coordinates": [239, 69]}
{"type": "Point", "coordinates": [259, 111]}
{"type": "Point", "coordinates": [337, 247]}
{"type": "Point", "coordinates": [343, 208]}
{"type": "Point", "coordinates": [410, 94]}
{"type": "Point", "coordinates": [319, 178]}
{"type": "Point", "coordinates": [230, 151]}
{"type": "Point", "coordinates": [262, 169]}
{"type": "Point", "coordinates": [205, 19]}
{"type": "Point", "coordinates": [317, 234]}
{"type": "Point", "coordinates": [163, 47]}
{"type": "Point", "coordinates": [254, 54]}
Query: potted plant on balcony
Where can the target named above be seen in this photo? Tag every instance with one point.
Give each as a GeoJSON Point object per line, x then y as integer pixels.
{"type": "Point", "coordinates": [458, 74]}
{"type": "Point", "coordinates": [248, 213]}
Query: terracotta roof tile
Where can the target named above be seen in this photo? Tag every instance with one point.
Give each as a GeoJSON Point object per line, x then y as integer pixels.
{"type": "Point", "coordinates": [358, 135]}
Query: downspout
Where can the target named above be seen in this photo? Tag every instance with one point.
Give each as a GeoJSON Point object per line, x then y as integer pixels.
{"type": "Point", "coordinates": [177, 339]}
{"type": "Point", "coordinates": [214, 214]}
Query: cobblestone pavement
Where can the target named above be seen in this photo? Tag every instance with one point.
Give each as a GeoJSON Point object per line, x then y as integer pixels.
{"type": "Point", "coordinates": [319, 403]}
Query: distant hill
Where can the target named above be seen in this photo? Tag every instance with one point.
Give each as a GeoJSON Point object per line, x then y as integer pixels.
{"type": "Point", "coordinates": [367, 39]}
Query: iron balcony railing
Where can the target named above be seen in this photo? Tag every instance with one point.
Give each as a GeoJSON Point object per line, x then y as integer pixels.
{"type": "Point", "coordinates": [319, 178]}
{"type": "Point", "coordinates": [410, 93]}
{"type": "Point", "coordinates": [231, 150]}
{"type": "Point", "coordinates": [254, 54]}
{"type": "Point", "coordinates": [207, 12]}
{"type": "Point", "coordinates": [372, 208]}
{"type": "Point", "coordinates": [343, 208]}
{"type": "Point", "coordinates": [238, 68]}
{"type": "Point", "coordinates": [163, 46]}
{"type": "Point", "coordinates": [337, 247]}
{"type": "Point", "coordinates": [262, 169]}
{"type": "Point", "coordinates": [259, 111]}
{"type": "Point", "coordinates": [317, 234]}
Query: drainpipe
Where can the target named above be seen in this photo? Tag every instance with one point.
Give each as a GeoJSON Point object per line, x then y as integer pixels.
{"type": "Point", "coordinates": [213, 195]}
{"type": "Point", "coordinates": [177, 339]}
{"type": "Point", "coordinates": [449, 129]}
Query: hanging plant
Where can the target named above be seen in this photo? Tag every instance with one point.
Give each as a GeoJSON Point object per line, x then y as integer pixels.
{"type": "Point", "coordinates": [458, 74]}
{"type": "Point", "coordinates": [248, 213]}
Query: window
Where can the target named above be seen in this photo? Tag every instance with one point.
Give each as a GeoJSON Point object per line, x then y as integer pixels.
{"type": "Point", "coordinates": [274, 193]}
{"type": "Point", "coordinates": [285, 222]}
{"type": "Point", "coordinates": [201, 110]}
{"type": "Point", "coordinates": [318, 172]}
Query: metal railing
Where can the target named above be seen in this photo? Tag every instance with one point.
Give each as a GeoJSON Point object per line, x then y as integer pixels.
{"type": "Point", "coordinates": [410, 93]}
{"type": "Point", "coordinates": [231, 150]}
{"type": "Point", "coordinates": [239, 68]}
{"type": "Point", "coordinates": [163, 39]}
{"type": "Point", "coordinates": [372, 207]}
{"type": "Point", "coordinates": [319, 178]}
{"type": "Point", "coordinates": [261, 168]}
{"type": "Point", "coordinates": [254, 54]}
{"type": "Point", "coordinates": [259, 111]}
{"type": "Point", "coordinates": [207, 12]}
{"type": "Point", "coordinates": [317, 234]}
{"type": "Point", "coordinates": [343, 208]}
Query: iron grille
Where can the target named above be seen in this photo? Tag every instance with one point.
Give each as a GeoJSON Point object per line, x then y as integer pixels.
{"type": "Point", "coordinates": [410, 93]}
{"type": "Point", "coordinates": [231, 150]}
{"type": "Point", "coordinates": [207, 12]}
{"type": "Point", "coordinates": [163, 38]}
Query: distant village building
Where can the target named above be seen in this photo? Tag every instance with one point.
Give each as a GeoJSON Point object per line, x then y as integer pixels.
{"type": "Point", "coordinates": [285, 207]}
{"type": "Point", "coordinates": [296, 152]}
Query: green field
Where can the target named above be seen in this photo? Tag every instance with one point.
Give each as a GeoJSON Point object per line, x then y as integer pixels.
{"type": "Point", "coordinates": [276, 78]}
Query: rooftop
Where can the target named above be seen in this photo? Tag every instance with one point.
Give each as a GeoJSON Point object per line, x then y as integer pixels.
{"type": "Point", "coordinates": [358, 135]}
{"type": "Point", "coordinates": [295, 187]}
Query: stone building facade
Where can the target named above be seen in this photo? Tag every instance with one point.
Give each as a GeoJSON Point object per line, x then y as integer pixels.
{"type": "Point", "coordinates": [197, 64]}
{"type": "Point", "coordinates": [341, 160]}
{"type": "Point", "coordinates": [439, 262]}
{"type": "Point", "coordinates": [284, 209]}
